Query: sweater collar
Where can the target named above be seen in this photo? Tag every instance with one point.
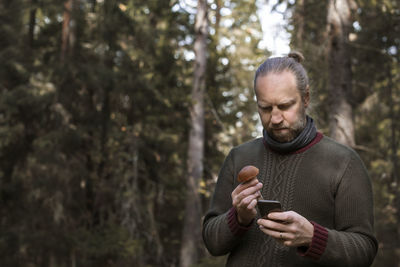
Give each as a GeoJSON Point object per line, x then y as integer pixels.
{"type": "Point", "coordinates": [303, 140]}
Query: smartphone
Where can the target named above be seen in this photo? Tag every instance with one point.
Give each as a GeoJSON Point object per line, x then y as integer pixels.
{"type": "Point", "coordinates": [267, 206]}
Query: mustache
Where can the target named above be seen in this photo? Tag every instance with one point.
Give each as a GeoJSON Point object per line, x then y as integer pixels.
{"type": "Point", "coordinates": [278, 126]}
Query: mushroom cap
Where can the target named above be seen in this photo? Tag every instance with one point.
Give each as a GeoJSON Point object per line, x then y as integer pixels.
{"type": "Point", "coordinates": [247, 173]}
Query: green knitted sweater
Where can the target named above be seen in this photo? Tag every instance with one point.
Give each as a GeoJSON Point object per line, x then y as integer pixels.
{"type": "Point", "coordinates": [326, 183]}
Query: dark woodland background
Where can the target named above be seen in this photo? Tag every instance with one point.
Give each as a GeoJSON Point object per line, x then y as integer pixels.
{"type": "Point", "coordinates": [115, 116]}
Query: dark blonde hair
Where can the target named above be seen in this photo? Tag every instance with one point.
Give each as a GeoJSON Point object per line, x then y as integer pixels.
{"type": "Point", "coordinates": [292, 63]}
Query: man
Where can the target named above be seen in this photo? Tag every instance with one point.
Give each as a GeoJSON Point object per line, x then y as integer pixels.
{"type": "Point", "coordinates": [323, 186]}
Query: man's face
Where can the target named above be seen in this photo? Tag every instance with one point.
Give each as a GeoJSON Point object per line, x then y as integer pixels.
{"type": "Point", "coordinates": [280, 106]}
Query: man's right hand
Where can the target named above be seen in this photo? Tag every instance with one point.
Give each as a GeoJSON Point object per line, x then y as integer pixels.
{"type": "Point", "coordinates": [244, 199]}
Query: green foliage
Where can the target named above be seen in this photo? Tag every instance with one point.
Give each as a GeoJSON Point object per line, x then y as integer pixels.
{"type": "Point", "coordinates": [375, 55]}
{"type": "Point", "coordinates": [93, 145]}
{"type": "Point", "coordinates": [94, 138]}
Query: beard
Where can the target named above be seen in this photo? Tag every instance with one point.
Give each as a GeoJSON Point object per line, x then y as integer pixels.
{"type": "Point", "coordinates": [290, 132]}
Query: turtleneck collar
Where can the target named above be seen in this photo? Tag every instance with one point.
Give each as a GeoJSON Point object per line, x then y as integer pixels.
{"type": "Point", "coordinates": [303, 139]}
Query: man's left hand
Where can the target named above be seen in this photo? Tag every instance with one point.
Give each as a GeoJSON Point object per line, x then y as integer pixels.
{"type": "Point", "coordinates": [289, 228]}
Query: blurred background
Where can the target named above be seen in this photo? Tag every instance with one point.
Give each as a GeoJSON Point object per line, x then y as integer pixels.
{"type": "Point", "coordinates": [116, 115]}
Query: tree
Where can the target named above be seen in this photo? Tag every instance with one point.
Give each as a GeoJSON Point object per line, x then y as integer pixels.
{"type": "Point", "coordinates": [93, 146]}
{"type": "Point", "coordinates": [373, 45]}
{"type": "Point", "coordinates": [191, 236]}
{"type": "Point", "coordinates": [339, 22]}
{"type": "Point", "coordinates": [67, 29]}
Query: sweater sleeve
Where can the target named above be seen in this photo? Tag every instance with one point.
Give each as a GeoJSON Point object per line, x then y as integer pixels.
{"type": "Point", "coordinates": [318, 243]}
{"type": "Point", "coordinates": [352, 241]}
{"type": "Point", "coordinates": [221, 231]}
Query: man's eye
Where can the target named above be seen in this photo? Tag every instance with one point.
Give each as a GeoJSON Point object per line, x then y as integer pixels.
{"type": "Point", "coordinates": [266, 108]}
{"type": "Point", "coordinates": [284, 107]}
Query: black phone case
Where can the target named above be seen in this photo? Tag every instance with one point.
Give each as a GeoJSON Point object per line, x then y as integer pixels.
{"type": "Point", "coordinates": [267, 206]}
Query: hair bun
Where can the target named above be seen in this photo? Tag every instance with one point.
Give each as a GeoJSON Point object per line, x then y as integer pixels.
{"type": "Point", "coordinates": [296, 56]}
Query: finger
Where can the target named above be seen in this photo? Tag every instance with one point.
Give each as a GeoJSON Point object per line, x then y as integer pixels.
{"type": "Point", "coordinates": [248, 182]}
{"type": "Point", "coordinates": [274, 225]}
{"type": "Point", "coordinates": [244, 198]}
{"type": "Point", "coordinates": [272, 233]}
{"type": "Point", "coordinates": [244, 186]}
{"type": "Point", "coordinates": [251, 190]}
{"type": "Point", "coordinates": [284, 216]}
{"type": "Point", "coordinates": [236, 197]}
{"type": "Point", "coordinates": [289, 240]}
{"type": "Point", "coordinates": [252, 204]}
{"type": "Point", "coordinates": [245, 202]}
{"type": "Point", "coordinates": [283, 237]}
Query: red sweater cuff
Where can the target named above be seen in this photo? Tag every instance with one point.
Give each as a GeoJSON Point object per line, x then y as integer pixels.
{"type": "Point", "coordinates": [318, 243]}
{"type": "Point", "coordinates": [234, 225]}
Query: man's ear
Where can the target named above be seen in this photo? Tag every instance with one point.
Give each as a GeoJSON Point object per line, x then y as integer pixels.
{"type": "Point", "coordinates": [306, 98]}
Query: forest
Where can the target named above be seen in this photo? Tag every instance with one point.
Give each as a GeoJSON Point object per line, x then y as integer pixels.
{"type": "Point", "coordinates": [116, 116]}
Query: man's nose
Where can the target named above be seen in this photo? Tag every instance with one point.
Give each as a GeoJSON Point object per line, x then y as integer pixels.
{"type": "Point", "coordinates": [276, 116]}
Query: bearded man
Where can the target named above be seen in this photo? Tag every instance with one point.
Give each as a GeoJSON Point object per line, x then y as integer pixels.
{"type": "Point", "coordinates": [323, 186]}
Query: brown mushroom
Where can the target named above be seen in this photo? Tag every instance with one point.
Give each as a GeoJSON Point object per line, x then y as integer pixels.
{"type": "Point", "coordinates": [247, 173]}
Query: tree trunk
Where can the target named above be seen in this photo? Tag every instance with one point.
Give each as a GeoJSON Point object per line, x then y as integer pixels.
{"type": "Point", "coordinates": [191, 236]}
{"type": "Point", "coordinates": [66, 27]}
{"type": "Point", "coordinates": [394, 158]}
{"type": "Point", "coordinates": [32, 23]}
{"type": "Point", "coordinates": [73, 258]}
{"type": "Point", "coordinates": [131, 199]}
{"type": "Point", "coordinates": [219, 5]}
{"type": "Point", "coordinates": [109, 11]}
{"type": "Point", "coordinates": [393, 120]}
{"type": "Point", "coordinates": [68, 32]}
{"type": "Point", "coordinates": [299, 20]}
{"type": "Point", "coordinates": [339, 84]}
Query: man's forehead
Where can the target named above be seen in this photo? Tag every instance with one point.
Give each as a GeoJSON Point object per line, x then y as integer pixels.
{"type": "Point", "coordinates": [276, 83]}
{"type": "Point", "coordinates": [286, 75]}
